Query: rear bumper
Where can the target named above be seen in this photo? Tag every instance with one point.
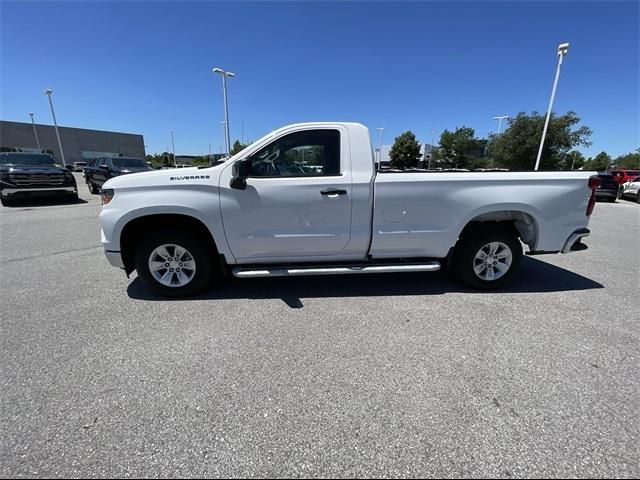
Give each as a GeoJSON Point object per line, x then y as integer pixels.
{"type": "Point", "coordinates": [114, 259]}
{"type": "Point", "coordinates": [573, 243]}
{"type": "Point", "coordinates": [606, 194]}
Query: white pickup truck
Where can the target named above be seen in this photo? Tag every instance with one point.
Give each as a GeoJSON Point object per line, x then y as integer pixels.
{"type": "Point", "coordinates": [306, 200]}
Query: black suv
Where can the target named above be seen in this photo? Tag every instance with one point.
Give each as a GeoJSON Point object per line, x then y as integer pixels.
{"type": "Point", "coordinates": [34, 175]}
{"type": "Point", "coordinates": [102, 169]}
{"type": "Point", "coordinates": [608, 189]}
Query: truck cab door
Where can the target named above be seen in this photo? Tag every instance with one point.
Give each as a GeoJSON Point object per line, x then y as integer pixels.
{"type": "Point", "coordinates": [297, 201]}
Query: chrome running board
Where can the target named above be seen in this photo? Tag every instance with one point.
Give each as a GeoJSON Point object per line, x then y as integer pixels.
{"type": "Point", "coordinates": [254, 272]}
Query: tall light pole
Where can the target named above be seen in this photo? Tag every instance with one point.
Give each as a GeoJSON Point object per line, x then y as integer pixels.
{"type": "Point", "coordinates": [35, 132]}
{"type": "Point", "coordinates": [563, 48]}
{"type": "Point", "coordinates": [433, 139]}
{"type": "Point", "coordinates": [173, 146]}
{"type": "Point", "coordinates": [225, 74]}
{"type": "Point", "coordinates": [500, 118]}
{"type": "Point", "coordinates": [48, 92]}
{"type": "Point", "coordinates": [380, 129]}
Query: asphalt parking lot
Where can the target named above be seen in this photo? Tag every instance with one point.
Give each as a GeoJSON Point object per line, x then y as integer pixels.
{"type": "Point", "coordinates": [388, 375]}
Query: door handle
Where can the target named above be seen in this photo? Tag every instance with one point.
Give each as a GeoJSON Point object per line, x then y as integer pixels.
{"type": "Point", "coordinates": [333, 191]}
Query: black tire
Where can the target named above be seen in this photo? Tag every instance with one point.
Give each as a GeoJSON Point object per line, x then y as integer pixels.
{"type": "Point", "coordinates": [463, 260]}
{"type": "Point", "coordinates": [612, 200]}
{"type": "Point", "coordinates": [92, 188]}
{"type": "Point", "coordinates": [7, 202]}
{"type": "Point", "coordinates": [202, 254]}
{"type": "Point", "coordinates": [638, 197]}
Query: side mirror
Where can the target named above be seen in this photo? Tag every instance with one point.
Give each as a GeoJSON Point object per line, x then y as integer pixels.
{"type": "Point", "coordinates": [69, 167]}
{"type": "Point", "coordinates": [240, 171]}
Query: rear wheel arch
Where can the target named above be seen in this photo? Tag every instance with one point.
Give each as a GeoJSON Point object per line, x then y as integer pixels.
{"type": "Point", "coordinates": [136, 229]}
{"type": "Point", "coordinates": [520, 223]}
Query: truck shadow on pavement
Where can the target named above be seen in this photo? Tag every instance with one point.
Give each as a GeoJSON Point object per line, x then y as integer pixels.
{"type": "Point", "coordinates": [535, 276]}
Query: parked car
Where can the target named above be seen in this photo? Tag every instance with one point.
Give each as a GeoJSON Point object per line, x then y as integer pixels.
{"type": "Point", "coordinates": [31, 175]}
{"type": "Point", "coordinates": [608, 189]}
{"type": "Point", "coordinates": [79, 166]}
{"type": "Point", "coordinates": [632, 189]}
{"type": "Point", "coordinates": [623, 175]}
{"type": "Point", "coordinates": [102, 169]}
{"type": "Point", "coordinates": [252, 216]}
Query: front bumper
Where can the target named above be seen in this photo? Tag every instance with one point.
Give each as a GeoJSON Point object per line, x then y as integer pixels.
{"type": "Point", "coordinates": [114, 258]}
{"type": "Point", "coordinates": [7, 192]}
{"type": "Point", "coordinates": [573, 243]}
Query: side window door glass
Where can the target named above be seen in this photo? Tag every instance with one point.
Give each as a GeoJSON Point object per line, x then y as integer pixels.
{"type": "Point", "coordinates": [310, 153]}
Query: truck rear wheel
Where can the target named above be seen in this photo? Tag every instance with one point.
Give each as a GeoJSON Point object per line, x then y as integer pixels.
{"type": "Point", "coordinates": [487, 258]}
{"type": "Point", "coordinates": [174, 264]}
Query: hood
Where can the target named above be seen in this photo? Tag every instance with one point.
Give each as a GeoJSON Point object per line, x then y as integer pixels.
{"type": "Point", "coordinates": [166, 178]}
{"type": "Point", "coordinates": [32, 169]}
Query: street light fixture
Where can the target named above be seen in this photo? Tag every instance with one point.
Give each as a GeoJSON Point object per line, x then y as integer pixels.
{"type": "Point", "coordinates": [35, 132]}
{"type": "Point", "coordinates": [500, 118]}
{"type": "Point", "coordinates": [563, 49]}
{"type": "Point", "coordinates": [225, 74]}
{"type": "Point", "coordinates": [380, 129]}
{"type": "Point", "coordinates": [48, 92]}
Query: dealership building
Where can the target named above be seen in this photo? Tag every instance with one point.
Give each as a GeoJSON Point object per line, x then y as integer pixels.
{"type": "Point", "coordinates": [79, 144]}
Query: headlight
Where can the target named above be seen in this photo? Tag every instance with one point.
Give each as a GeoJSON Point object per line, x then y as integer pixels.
{"type": "Point", "coordinates": [107, 195]}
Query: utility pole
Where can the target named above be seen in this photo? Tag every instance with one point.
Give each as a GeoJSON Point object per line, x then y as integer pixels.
{"type": "Point", "coordinates": [433, 139]}
{"type": "Point", "coordinates": [380, 129]}
{"type": "Point", "coordinates": [48, 92]}
{"type": "Point", "coordinates": [35, 132]}
{"type": "Point", "coordinates": [500, 118]}
{"type": "Point", "coordinates": [175, 163]}
{"type": "Point", "coordinates": [225, 74]}
{"type": "Point", "coordinates": [563, 48]}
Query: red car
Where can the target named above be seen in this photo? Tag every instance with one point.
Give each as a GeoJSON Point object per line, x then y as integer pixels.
{"type": "Point", "coordinates": [622, 175]}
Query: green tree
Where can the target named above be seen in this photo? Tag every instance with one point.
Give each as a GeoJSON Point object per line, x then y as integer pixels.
{"type": "Point", "coordinates": [629, 160]}
{"type": "Point", "coordinates": [460, 149]}
{"type": "Point", "coordinates": [405, 152]}
{"type": "Point", "coordinates": [517, 147]}
{"type": "Point", "coordinates": [238, 147]}
{"type": "Point", "coordinates": [600, 163]}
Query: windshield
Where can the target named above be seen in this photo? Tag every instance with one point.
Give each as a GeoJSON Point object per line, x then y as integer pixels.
{"type": "Point", "coordinates": [129, 163]}
{"type": "Point", "coordinates": [22, 159]}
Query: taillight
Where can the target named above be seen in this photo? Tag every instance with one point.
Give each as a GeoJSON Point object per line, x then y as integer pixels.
{"type": "Point", "coordinates": [594, 182]}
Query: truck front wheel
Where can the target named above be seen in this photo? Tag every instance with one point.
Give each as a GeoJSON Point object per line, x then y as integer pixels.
{"type": "Point", "coordinates": [174, 264]}
{"type": "Point", "coordinates": [487, 258]}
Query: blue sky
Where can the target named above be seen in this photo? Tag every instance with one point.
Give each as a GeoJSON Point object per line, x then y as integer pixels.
{"type": "Point", "coordinates": [145, 67]}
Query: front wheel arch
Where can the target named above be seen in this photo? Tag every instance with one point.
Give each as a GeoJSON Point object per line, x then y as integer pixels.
{"type": "Point", "coordinates": [135, 230]}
